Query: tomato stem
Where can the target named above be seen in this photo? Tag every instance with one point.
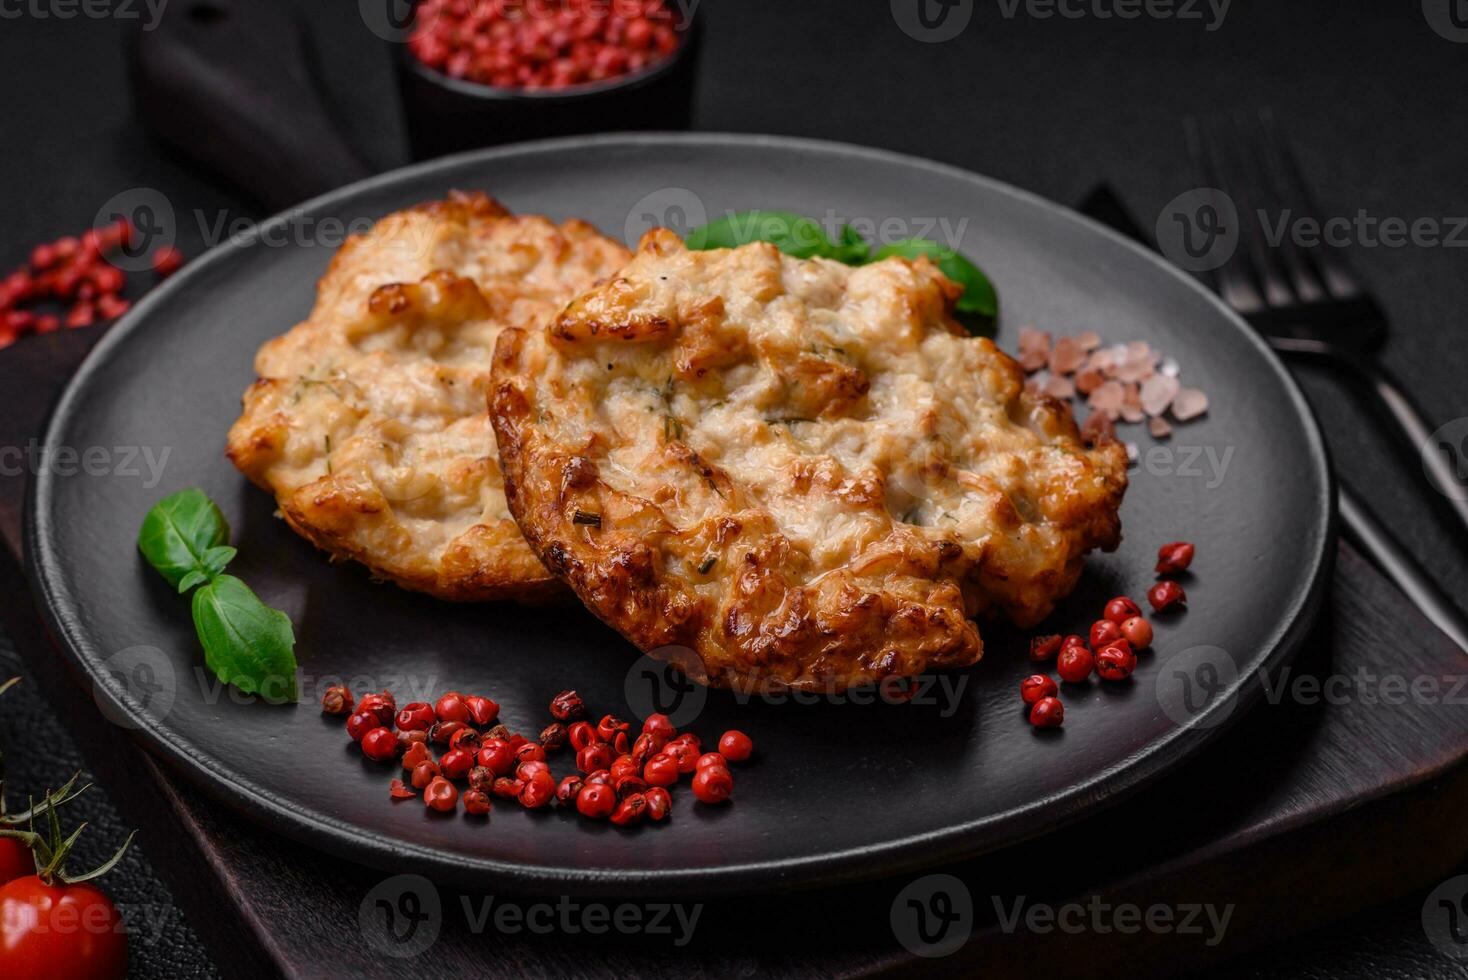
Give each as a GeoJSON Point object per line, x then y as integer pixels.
{"type": "Point", "coordinates": [50, 800]}
{"type": "Point", "coordinates": [102, 868]}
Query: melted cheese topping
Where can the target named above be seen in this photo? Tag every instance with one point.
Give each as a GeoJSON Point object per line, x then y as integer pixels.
{"type": "Point", "coordinates": [369, 421]}
{"type": "Point", "coordinates": [805, 472]}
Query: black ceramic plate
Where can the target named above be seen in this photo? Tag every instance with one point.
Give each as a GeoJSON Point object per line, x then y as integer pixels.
{"type": "Point", "coordinates": [839, 790]}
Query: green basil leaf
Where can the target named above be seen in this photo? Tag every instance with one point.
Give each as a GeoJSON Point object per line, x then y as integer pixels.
{"type": "Point", "coordinates": [246, 643]}
{"type": "Point", "coordinates": [179, 530]}
{"type": "Point", "coordinates": [791, 233]}
{"type": "Point", "coordinates": [216, 558]}
{"type": "Point", "coordinates": [978, 292]}
{"type": "Point", "coordinates": [195, 577]}
{"type": "Point", "coordinates": [852, 249]}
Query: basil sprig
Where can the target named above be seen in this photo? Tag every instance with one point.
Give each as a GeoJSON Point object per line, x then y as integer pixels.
{"type": "Point", "coordinates": [804, 238]}
{"type": "Point", "coordinates": [246, 643]}
{"type": "Point", "coordinates": [186, 537]}
{"type": "Point", "coordinates": [791, 233]}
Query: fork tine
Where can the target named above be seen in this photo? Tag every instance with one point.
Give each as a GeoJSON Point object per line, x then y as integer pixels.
{"type": "Point", "coordinates": [1327, 258]}
{"type": "Point", "coordinates": [1280, 197]}
{"type": "Point", "coordinates": [1244, 183]}
{"type": "Point", "coordinates": [1232, 280]}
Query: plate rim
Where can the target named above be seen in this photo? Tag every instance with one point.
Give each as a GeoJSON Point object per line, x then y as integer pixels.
{"type": "Point", "coordinates": [956, 842]}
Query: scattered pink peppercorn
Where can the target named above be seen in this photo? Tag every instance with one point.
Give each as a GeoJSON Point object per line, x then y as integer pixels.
{"type": "Point", "coordinates": [1138, 632]}
{"type": "Point", "coordinates": [1115, 661]}
{"type": "Point", "coordinates": [1120, 609]}
{"type": "Point", "coordinates": [1174, 558]}
{"type": "Point", "coordinates": [1043, 648]}
{"type": "Point", "coordinates": [167, 261]}
{"type": "Point", "coordinates": [1047, 713]}
{"type": "Point", "coordinates": [1165, 595]}
{"type": "Point", "coordinates": [1037, 686]}
{"type": "Point", "coordinates": [736, 746]}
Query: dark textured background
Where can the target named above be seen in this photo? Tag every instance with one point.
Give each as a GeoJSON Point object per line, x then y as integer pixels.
{"type": "Point", "coordinates": [1373, 96]}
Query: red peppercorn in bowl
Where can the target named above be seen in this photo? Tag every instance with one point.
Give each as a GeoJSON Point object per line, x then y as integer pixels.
{"type": "Point", "coordinates": [481, 72]}
{"type": "Point", "coordinates": [543, 45]}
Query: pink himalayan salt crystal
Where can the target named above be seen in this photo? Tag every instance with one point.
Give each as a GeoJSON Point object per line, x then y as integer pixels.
{"type": "Point", "coordinates": [1107, 398]}
{"type": "Point", "coordinates": [1060, 387]}
{"type": "Point", "coordinates": [1066, 355]}
{"type": "Point", "coordinates": [1103, 360]}
{"type": "Point", "coordinates": [1034, 348]}
{"type": "Point", "coordinates": [1135, 367]}
{"type": "Point", "coordinates": [1189, 404]}
{"type": "Point", "coordinates": [1158, 392]}
{"type": "Point", "coordinates": [1033, 360]}
{"type": "Point", "coordinates": [1136, 363]}
{"type": "Point", "coordinates": [1131, 405]}
{"type": "Point", "coordinates": [1089, 379]}
{"type": "Point", "coordinates": [1130, 381]}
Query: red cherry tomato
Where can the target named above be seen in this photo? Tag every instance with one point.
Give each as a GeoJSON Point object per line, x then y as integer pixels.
{"type": "Point", "coordinates": [59, 932]}
{"type": "Point", "coordinates": [15, 860]}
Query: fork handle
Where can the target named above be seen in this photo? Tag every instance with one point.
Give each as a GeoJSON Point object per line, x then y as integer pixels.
{"type": "Point", "coordinates": [1398, 409]}
{"type": "Point", "coordinates": [1367, 533]}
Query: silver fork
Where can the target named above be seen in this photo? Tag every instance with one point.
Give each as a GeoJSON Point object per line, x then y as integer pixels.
{"type": "Point", "coordinates": [1311, 305]}
{"type": "Point", "coordinates": [1306, 301]}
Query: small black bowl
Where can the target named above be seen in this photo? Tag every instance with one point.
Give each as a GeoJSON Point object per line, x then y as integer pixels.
{"type": "Point", "coordinates": [446, 115]}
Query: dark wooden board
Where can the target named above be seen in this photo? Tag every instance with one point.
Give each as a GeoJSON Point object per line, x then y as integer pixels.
{"type": "Point", "coordinates": [1303, 813]}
